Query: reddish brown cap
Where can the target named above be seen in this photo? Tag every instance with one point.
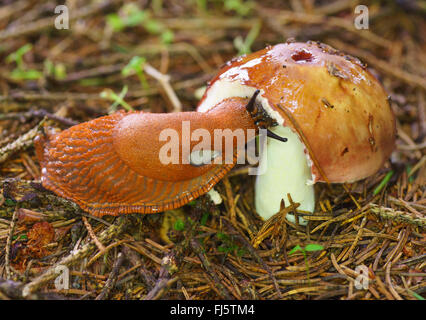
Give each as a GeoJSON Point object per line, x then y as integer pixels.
{"type": "Point", "coordinates": [335, 105]}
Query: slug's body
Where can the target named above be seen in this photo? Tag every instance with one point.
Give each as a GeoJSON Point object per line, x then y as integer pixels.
{"type": "Point", "coordinates": [111, 165]}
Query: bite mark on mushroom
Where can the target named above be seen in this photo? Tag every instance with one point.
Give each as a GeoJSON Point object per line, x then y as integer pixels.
{"type": "Point", "coordinates": [302, 56]}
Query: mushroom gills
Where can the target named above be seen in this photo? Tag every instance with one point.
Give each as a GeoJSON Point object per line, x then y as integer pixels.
{"type": "Point", "coordinates": [285, 171]}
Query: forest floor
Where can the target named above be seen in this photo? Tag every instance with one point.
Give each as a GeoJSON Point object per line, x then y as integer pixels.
{"type": "Point", "coordinates": [67, 76]}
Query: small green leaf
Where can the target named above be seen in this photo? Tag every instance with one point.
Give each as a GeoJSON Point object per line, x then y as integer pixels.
{"type": "Point", "coordinates": [222, 236]}
{"type": "Point", "coordinates": [30, 74]}
{"type": "Point", "coordinates": [20, 237]}
{"type": "Point", "coordinates": [383, 182]}
{"type": "Point", "coordinates": [9, 202]}
{"type": "Point", "coordinates": [244, 46]}
{"type": "Point", "coordinates": [192, 203]}
{"type": "Point", "coordinates": [60, 71]}
{"type": "Point", "coordinates": [204, 218]}
{"type": "Point", "coordinates": [416, 295]}
{"type": "Point", "coordinates": [313, 247]}
{"type": "Point", "coordinates": [115, 22]}
{"type": "Point", "coordinates": [23, 237]}
{"type": "Point", "coordinates": [153, 26]}
{"type": "Point", "coordinates": [167, 37]}
{"type": "Point", "coordinates": [136, 18]}
{"type": "Point", "coordinates": [410, 177]}
{"type": "Point", "coordinates": [118, 99]}
{"type": "Point", "coordinates": [240, 7]}
{"type": "Point", "coordinates": [223, 249]}
{"type": "Point", "coordinates": [17, 55]}
{"type": "Point", "coordinates": [135, 65]}
{"type": "Point", "coordinates": [179, 225]}
{"type": "Point", "coordinates": [295, 249]}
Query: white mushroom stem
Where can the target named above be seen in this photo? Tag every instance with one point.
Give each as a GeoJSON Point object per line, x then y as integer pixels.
{"type": "Point", "coordinates": [215, 196]}
{"type": "Point", "coordinates": [286, 171]}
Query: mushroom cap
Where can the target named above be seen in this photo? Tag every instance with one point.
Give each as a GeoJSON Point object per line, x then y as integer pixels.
{"type": "Point", "coordinates": [337, 107]}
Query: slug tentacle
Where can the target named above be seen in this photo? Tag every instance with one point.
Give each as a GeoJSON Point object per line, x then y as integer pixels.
{"type": "Point", "coordinates": [260, 117]}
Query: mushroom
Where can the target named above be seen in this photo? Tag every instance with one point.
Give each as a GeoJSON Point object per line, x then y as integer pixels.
{"type": "Point", "coordinates": [333, 111]}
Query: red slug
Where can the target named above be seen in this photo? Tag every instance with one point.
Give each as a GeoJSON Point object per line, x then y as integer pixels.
{"type": "Point", "coordinates": [111, 165]}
